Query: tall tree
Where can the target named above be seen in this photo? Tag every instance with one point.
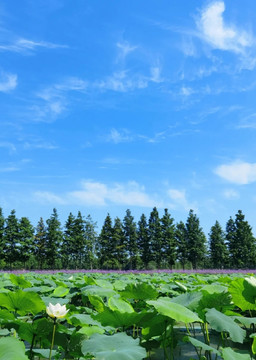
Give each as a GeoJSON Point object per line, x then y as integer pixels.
{"type": "Point", "coordinates": [169, 245]}
{"type": "Point", "coordinates": [218, 248]}
{"type": "Point", "coordinates": [68, 243]}
{"type": "Point", "coordinates": [182, 244]}
{"type": "Point", "coordinates": [241, 242]}
{"type": "Point", "coordinates": [120, 240]}
{"type": "Point", "coordinates": [2, 222]}
{"type": "Point", "coordinates": [53, 238]}
{"type": "Point", "coordinates": [11, 239]}
{"type": "Point", "coordinates": [26, 237]}
{"type": "Point", "coordinates": [90, 242]}
{"type": "Point", "coordinates": [79, 241]}
{"type": "Point", "coordinates": [130, 233]}
{"type": "Point", "coordinates": [143, 241]}
{"type": "Point", "coordinates": [196, 240]}
{"type": "Point", "coordinates": [155, 236]}
{"type": "Point", "coordinates": [40, 244]}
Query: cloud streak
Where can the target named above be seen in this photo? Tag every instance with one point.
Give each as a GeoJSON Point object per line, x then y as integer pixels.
{"type": "Point", "coordinates": [238, 172]}
{"type": "Point", "coordinates": [8, 82]}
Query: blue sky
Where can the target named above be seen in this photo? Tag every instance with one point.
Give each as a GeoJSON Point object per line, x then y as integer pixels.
{"type": "Point", "coordinates": [109, 105]}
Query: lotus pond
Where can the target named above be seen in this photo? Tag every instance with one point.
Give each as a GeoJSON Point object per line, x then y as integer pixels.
{"type": "Point", "coordinates": [112, 316]}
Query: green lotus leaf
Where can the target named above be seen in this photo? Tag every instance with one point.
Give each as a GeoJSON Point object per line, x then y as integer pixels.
{"type": "Point", "coordinates": [116, 303]}
{"type": "Point", "coordinates": [201, 345]}
{"type": "Point", "coordinates": [230, 354]}
{"type": "Point", "coordinates": [116, 347]}
{"type": "Point", "coordinates": [139, 291]}
{"type": "Point", "coordinates": [243, 292]}
{"type": "Point", "coordinates": [22, 302]}
{"type": "Point", "coordinates": [221, 322]}
{"type": "Point", "coordinates": [97, 290]}
{"type": "Point", "coordinates": [175, 311]}
{"type": "Point", "coordinates": [20, 281]}
{"type": "Point", "coordinates": [12, 349]}
{"type": "Point", "coordinates": [189, 300]}
{"type": "Point", "coordinates": [60, 291]}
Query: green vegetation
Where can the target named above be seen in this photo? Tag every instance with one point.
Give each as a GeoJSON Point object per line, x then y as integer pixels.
{"type": "Point", "coordinates": [154, 243]}
{"type": "Point", "coordinates": [108, 316]}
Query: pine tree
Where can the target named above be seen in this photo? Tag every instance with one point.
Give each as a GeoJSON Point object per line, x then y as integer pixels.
{"type": "Point", "coordinates": [107, 246]}
{"type": "Point", "coordinates": [120, 241]}
{"type": "Point", "coordinates": [130, 233]}
{"type": "Point", "coordinates": [143, 241]}
{"type": "Point", "coordinates": [11, 239]}
{"type": "Point", "coordinates": [53, 238]}
{"type": "Point", "coordinates": [182, 244]}
{"type": "Point", "coordinates": [79, 241]}
{"type": "Point", "coordinates": [2, 222]}
{"type": "Point", "coordinates": [39, 244]}
{"type": "Point", "coordinates": [26, 237]}
{"type": "Point", "coordinates": [155, 236]}
{"type": "Point", "coordinates": [68, 243]}
{"type": "Point", "coordinates": [196, 240]}
{"type": "Point", "coordinates": [169, 245]}
{"type": "Point", "coordinates": [231, 242]}
{"type": "Point", "coordinates": [218, 248]}
{"type": "Point", "coordinates": [90, 242]}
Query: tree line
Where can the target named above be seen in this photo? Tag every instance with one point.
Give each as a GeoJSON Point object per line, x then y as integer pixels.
{"type": "Point", "coordinates": [154, 243]}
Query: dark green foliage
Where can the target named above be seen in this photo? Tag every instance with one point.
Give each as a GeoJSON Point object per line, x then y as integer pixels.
{"type": "Point", "coordinates": [155, 236]}
{"type": "Point", "coordinates": [39, 244]}
{"type": "Point", "coordinates": [169, 244]}
{"type": "Point", "coordinates": [2, 222]}
{"type": "Point", "coordinates": [26, 236]}
{"type": "Point", "coordinates": [218, 248]}
{"type": "Point", "coordinates": [53, 239]}
{"type": "Point", "coordinates": [196, 240]}
{"type": "Point", "coordinates": [11, 236]}
{"type": "Point", "coordinates": [143, 241]}
{"type": "Point", "coordinates": [67, 245]}
{"type": "Point", "coordinates": [120, 240]}
{"type": "Point", "coordinates": [182, 245]}
{"type": "Point", "coordinates": [130, 233]}
{"type": "Point", "coordinates": [90, 242]}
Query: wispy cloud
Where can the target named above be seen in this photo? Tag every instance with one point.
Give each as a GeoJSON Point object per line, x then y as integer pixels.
{"type": "Point", "coordinates": [117, 136]}
{"type": "Point", "coordinates": [179, 200]}
{"type": "Point", "coordinates": [248, 122]}
{"type": "Point", "coordinates": [220, 35]}
{"type": "Point", "coordinates": [22, 45]}
{"type": "Point", "coordinates": [122, 81]}
{"type": "Point", "coordinates": [46, 197]}
{"type": "Point", "coordinates": [124, 49]}
{"type": "Point", "coordinates": [8, 145]}
{"type": "Point", "coordinates": [238, 172]}
{"type": "Point", "coordinates": [8, 82]}
{"type": "Point", "coordinates": [231, 194]}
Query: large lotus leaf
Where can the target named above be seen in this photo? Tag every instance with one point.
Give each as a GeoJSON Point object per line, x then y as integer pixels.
{"type": "Point", "coordinates": [97, 290]}
{"type": "Point", "coordinates": [245, 321]}
{"type": "Point", "coordinates": [117, 319]}
{"type": "Point", "coordinates": [97, 302]}
{"type": "Point", "coordinates": [214, 288]}
{"type": "Point", "coordinates": [221, 322]}
{"type": "Point", "coordinates": [90, 330]}
{"type": "Point", "coordinates": [219, 301]}
{"type": "Point", "coordinates": [189, 300]}
{"type": "Point", "coordinates": [60, 291]}
{"type": "Point", "coordinates": [139, 291]}
{"type": "Point", "coordinates": [54, 300]}
{"type": "Point", "coordinates": [6, 316]}
{"type": "Point", "coordinates": [44, 353]}
{"type": "Point", "coordinates": [41, 328]}
{"type": "Point", "coordinates": [175, 311]}
{"type": "Point", "coordinates": [39, 289]}
{"type": "Point", "coordinates": [22, 302]}
{"type": "Point", "coordinates": [201, 345]}
{"type": "Point", "coordinates": [20, 281]}
{"type": "Point", "coordinates": [116, 347]}
{"type": "Point", "coordinates": [230, 354]}
{"type": "Point", "coordinates": [12, 349]}
{"type": "Point", "coordinates": [82, 320]}
{"type": "Point", "coordinates": [116, 303]}
{"type": "Point", "coordinates": [104, 284]}
{"type": "Point", "coordinates": [243, 292]}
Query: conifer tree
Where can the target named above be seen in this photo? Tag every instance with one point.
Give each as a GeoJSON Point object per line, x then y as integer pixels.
{"type": "Point", "coordinates": [39, 244]}
{"type": "Point", "coordinates": [143, 241]}
{"type": "Point", "coordinates": [26, 237]}
{"type": "Point", "coordinates": [53, 238]}
{"type": "Point", "coordinates": [79, 241]}
{"type": "Point", "coordinates": [155, 236]}
{"type": "Point", "coordinates": [130, 233]}
{"type": "Point", "coordinates": [169, 245]}
{"type": "Point", "coordinates": [11, 239]}
{"type": "Point", "coordinates": [107, 246]}
{"type": "Point", "coordinates": [120, 241]}
{"type": "Point", "coordinates": [2, 222]}
{"type": "Point", "coordinates": [182, 244]}
{"type": "Point", "coordinates": [218, 248]}
{"type": "Point", "coordinates": [90, 242]}
{"type": "Point", "coordinates": [196, 240]}
{"type": "Point", "coordinates": [68, 243]}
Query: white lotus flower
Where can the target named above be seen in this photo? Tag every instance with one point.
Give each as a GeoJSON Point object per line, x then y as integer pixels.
{"type": "Point", "coordinates": [56, 311]}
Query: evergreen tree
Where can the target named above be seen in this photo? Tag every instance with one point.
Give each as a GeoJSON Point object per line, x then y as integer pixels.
{"type": "Point", "coordinates": [130, 233]}
{"type": "Point", "coordinates": [90, 242]}
{"type": "Point", "coordinates": [2, 222]}
{"type": "Point", "coordinates": [79, 241]}
{"type": "Point", "coordinates": [143, 241]}
{"type": "Point", "coordinates": [68, 243]}
{"type": "Point", "coordinates": [107, 246]}
{"type": "Point", "coordinates": [155, 236]}
{"type": "Point", "coordinates": [241, 242]}
{"type": "Point", "coordinates": [39, 244]}
{"type": "Point", "coordinates": [218, 248]}
{"type": "Point", "coordinates": [11, 239]}
{"type": "Point", "coordinates": [169, 245]}
{"type": "Point", "coordinates": [182, 244]}
{"type": "Point", "coordinates": [120, 241]}
{"type": "Point", "coordinates": [53, 238]}
{"type": "Point", "coordinates": [26, 236]}
{"type": "Point", "coordinates": [196, 240]}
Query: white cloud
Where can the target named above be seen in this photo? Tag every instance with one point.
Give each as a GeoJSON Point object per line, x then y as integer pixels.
{"type": "Point", "coordinates": [186, 91]}
{"type": "Point", "coordinates": [6, 144]}
{"type": "Point", "coordinates": [22, 45]}
{"type": "Point", "coordinates": [179, 199]}
{"type": "Point", "coordinates": [156, 74]}
{"type": "Point", "coordinates": [220, 35]}
{"type": "Point", "coordinates": [124, 49]}
{"type": "Point", "coordinates": [8, 82]}
{"type": "Point", "coordinates": [118, 137]}
{"type": "Point", "coordinates": [240, 173]}
{"type": "Point", "coordinates": [231, 194]}
{"type": "Point", "coordinates": [121, 81]}
{"type": "Point", "coordinates": [48, 197]}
